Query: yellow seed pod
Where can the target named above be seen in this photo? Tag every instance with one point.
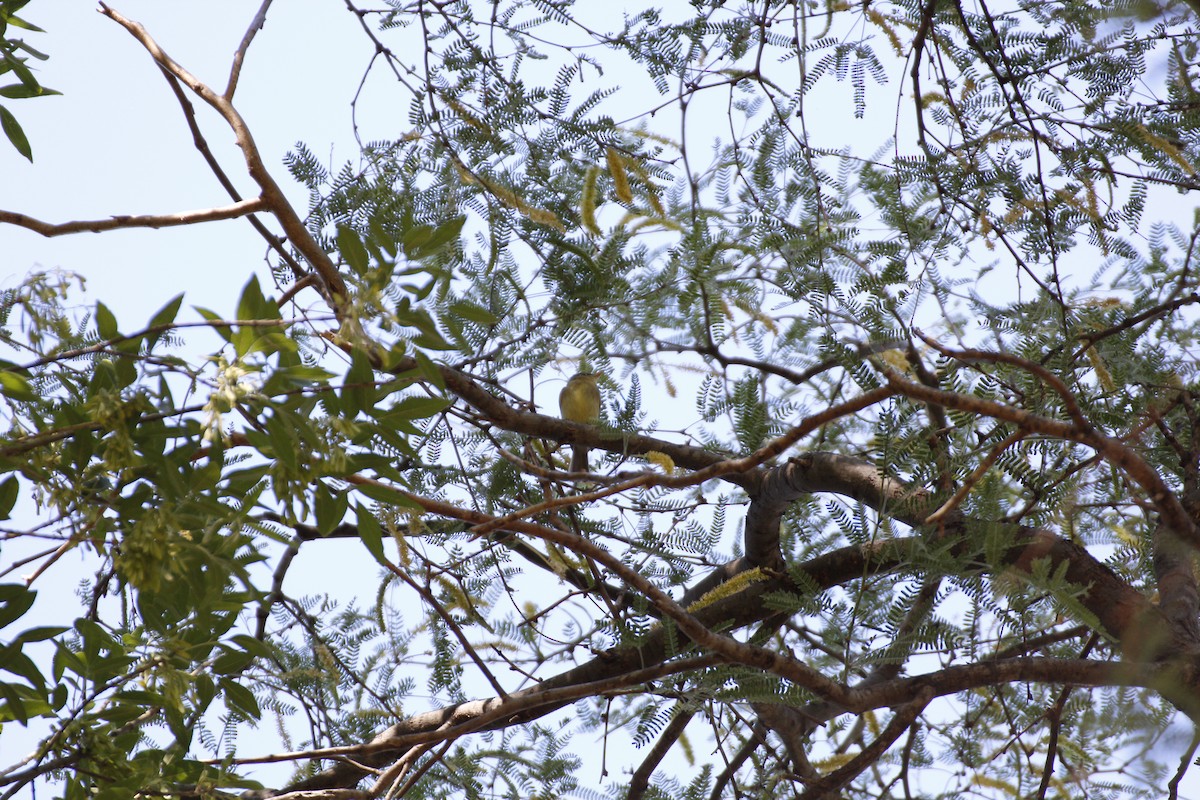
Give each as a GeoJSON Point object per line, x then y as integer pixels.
{"type": "Point", "coordinates": [616, 167]}
{"type": "Point", "coordinates": [587, 203]}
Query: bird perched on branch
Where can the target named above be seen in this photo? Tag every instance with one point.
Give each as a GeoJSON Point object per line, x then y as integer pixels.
{"type": "Point", "coordinates": [579, 401]}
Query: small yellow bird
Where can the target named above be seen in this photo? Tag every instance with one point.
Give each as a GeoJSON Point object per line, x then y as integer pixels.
{"type": "Point", "coordinates": [579, 401]}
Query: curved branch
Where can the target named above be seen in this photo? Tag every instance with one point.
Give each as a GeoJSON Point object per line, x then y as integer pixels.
{"type": "Point", "coordinates": [334, 287]}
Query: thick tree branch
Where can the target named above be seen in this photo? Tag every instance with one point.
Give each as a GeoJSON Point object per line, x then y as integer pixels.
{"type": "Point", "coordinates": [647, 659]}
{"type": "Point", "coordinates": [1124, 613]}
{"type": "Point", "coordinates": [747, 606]}
{"type": "Point", "coordinates": [640, 780]}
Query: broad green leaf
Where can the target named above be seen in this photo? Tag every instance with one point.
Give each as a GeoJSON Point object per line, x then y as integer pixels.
{"type": "Point", "coordinates": [240, 699]}
{"type": "Point", "coordinates": [9, 490]}
{"type": "Point", "coordinates": [16, 386]}
{"type": "Point", "coordinates": [224, 331]}
{"type": "Point", "coordinates": [40, 634]}
{"type": "Point", "coordinates": [231, 661]}
{"type": "Point", "coordinates": [252, 304]}
{"type": "Point", "coordinates": [19, 91]}
{"type": "Point", "coordinates": [251, 645]}
{"type": "Point", "coordinates": [106, 322]}
{"type": "Point", "coordinates": [284, 444]}
{"type": "Point", "coordinates": [370, 531]}
{"type": "Point", "coordinates": [473, 313]}
{"type": "Point", "coordinates": [358, 391]}
{"type": "Point", "coordinates": [423, 241]}
{"type": "Point", "coordinates": [17, 22]}
{"type": "Point", "coordinates": [13, 660]}
{"type": "Point", "coordinates": [8, 123]}
{"type": "Point", "coordinates": [429, 370]}
{"type": "Point", "coordinates": [386, 496]}
{"type": "Point", "coordinates": [353, 251]}
{"type": "Point", "coordinates": [330, 507]}
{"type": "Point", "coordinates": [165, 316]}
{"type": "Point", "coordinates": [287, 379]}
{"type": "Point", "coordinates": [23, 703]}
{"type": "Point", "coordinates": [15, 600]}
{"type": "Point", "coordinates": [419, 407]}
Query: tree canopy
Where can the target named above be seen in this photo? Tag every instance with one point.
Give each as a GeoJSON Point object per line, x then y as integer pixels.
{"type": "Point", "coordinates": [895, 490]}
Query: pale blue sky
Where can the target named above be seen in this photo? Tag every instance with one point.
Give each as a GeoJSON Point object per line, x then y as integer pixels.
{"type": "Point", "coordinates": [116, 141]}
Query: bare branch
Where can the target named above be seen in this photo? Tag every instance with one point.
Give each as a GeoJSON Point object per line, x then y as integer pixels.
{"type": "Point", "coordinates": [273, 241]}
{"type": "Point", "coordinates": [334, 287]}
{"type": "Point", "coordinates": [49, 229]}
{"type": "Point", "coordinates": [239, 55]}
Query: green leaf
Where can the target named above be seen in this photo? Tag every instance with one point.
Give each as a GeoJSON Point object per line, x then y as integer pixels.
{"type": "Point", "coordinates": [16, 386]}
{"type": "Point", "coordinates": [252, 304]}
{"type": "Point", "coordinates": [358, 391]}
{"type": "Point", "coordinates": [370, 531]}
{"type": "Point", "coordinates": [67, 659]}
{"type": "Point", "coordinates": [231, 661]}
{"type": "Point", "coordinates": [283, 441]}
{"type": "Point", "coordinates": [419, 407]}
{"type": "Point", "coordinates": [106, 323]}
{"type": "Point", "coordinates": [19, 91]}
{"type": "Point", "coordinates": [287, 379]}
{"type": "Point", "coordinates": [14, 661]}
{"type": "Point", "coordinates": [422, 241]}
{"type": "Point", "coordinates": [22, 703]}
{"type": "Point", "coordinates": [165, 316]}
{"type": "Point", "coordinates": [330, 508]}
{"type": "Point", "coordinates": [15, 600]}
{"type": "Point", "coordinates": [239, 699]}
{"type": "Point", "coordinates": [14, 133]}
{"type": "Point", "coordinates": [420, 319]}
{"type": "Point", "coordinates": [386, 495]}
{"type": "Point", "coordinates": [224, 331]}
{"type": "Point", "coordinates": [40, 634]}
{"type": "Point", "coordinates": [353, 250]}
{"type": "Point", "coordinates": [17, 22]}
{"type": "Point", "coordinates": [473, 313]}
{"type": "Point", "coordinates": [23, 73]}
{"type": "Point", "coordinates": [251, 645]}
{"type": "Point", "coordinates": [392, 423]}
{"type": "Point", "coordinates": [429, 370]}
{"type": "Point", "coordinates": [9, 490]}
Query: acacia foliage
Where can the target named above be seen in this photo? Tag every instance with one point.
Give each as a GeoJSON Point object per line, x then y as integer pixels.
{"type": "Point", "coordinates": [896, 488]}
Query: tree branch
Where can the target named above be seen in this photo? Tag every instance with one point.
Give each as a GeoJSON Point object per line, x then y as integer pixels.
{"type": "Point", "coordinates": [239, 55]}
{"type": "Point", "coordinates": [334, 287]}
{"type": "Point", "coordinates": [49, 229]}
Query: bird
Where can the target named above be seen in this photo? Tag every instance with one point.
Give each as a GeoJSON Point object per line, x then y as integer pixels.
{"type": "Point", "coordinates": [579, 401]}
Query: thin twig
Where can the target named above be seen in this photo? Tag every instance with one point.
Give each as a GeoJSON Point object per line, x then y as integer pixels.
{"type": "Point", "coordinates": [976, 476]}
{"type": "Point", "coordinates": [235, 71]}
{"type": "Point", "coordinates": [119, 221]}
